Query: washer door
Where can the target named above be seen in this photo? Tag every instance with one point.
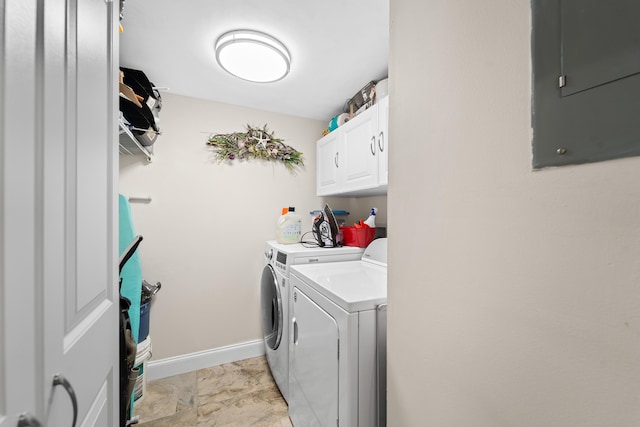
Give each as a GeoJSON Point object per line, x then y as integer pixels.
{"type": "Point", "coordinates": [272, 317]}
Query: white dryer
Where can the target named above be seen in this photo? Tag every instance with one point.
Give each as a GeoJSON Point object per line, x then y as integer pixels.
{"type": "Point", "coordinates": [337, 352]}
{"type": "Point", "coordinates": [275, 297]}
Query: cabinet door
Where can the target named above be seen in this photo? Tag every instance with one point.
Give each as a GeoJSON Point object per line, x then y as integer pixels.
{"type": "Point", "coordinates": [359, 151]}
{"type": "Point", "coordinates": [383, 141]}
{"type": "Point", "coordinates": [328, 164]}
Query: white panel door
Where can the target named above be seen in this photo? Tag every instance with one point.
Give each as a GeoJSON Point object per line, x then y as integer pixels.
{"type": "Point", "coordinates": [80, 210]}
{"type": "Point", "coordinates": [18, 242]}
{"type": "Point", "coordinates": [59, 213]}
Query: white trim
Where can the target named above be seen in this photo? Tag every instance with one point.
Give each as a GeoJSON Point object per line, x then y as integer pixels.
{"type": "Point", "coordinates": [184, 363]}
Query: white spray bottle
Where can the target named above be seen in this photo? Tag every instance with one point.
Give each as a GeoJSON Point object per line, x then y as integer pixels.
{"type": "Point", "coordinates": [371, 221]}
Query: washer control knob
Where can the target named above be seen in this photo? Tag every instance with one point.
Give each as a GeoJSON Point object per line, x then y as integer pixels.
{"type": "Point", "coordinates": [269, 254]}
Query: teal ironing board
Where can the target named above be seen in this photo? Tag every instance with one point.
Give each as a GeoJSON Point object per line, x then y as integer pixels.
{"type": "Point", "coordinates": [131, 273]}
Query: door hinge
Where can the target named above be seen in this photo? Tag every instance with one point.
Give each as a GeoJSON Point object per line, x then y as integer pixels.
{"type": "Point", "coordinates": [562, 81]}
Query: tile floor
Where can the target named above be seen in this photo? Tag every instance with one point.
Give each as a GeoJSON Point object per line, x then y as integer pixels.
{"type": "Point", "coordinates": [239, 394]}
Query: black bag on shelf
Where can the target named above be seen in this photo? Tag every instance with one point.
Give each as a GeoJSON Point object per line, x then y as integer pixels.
{"type": "Point", "coordinates": [141, 121]}
{"type": "Point", "coordinates": [138, 81]}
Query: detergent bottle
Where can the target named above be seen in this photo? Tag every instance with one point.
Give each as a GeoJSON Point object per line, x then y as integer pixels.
{"type": "Point", "coordinates": [371, 221]}
{"type": "Point", "coordinates": [289, 227]}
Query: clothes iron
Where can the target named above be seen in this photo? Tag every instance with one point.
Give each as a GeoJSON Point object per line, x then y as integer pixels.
{"type": "Point", "coordinates": [325, 228]}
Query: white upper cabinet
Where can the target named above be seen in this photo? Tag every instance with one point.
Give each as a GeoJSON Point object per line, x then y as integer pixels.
{"type": "Point", "coordinates": [359, 151]}
{"type": "Point", "coordinates": [352, 160]}
{"type": "Point", "coordinates": [327, 157]}
{"type": "Point", "coordinates": [383, 132]}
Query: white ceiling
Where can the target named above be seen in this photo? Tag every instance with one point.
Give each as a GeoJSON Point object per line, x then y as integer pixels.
{"type": "Point", "coordinates": [336, 46]}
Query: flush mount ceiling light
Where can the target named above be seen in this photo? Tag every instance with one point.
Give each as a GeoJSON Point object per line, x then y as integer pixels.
{"type": "Point", "coordinates": [253, 56]}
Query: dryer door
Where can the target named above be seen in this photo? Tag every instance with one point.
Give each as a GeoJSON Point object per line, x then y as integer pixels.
{"type": "Point", "coordinates": [313, 364]}
{"type": "Point", "coordinates": [272, 310]}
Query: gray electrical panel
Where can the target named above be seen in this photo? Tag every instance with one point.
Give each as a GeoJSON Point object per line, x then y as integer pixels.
{"type": "Point", "coordinates": [586, 81]}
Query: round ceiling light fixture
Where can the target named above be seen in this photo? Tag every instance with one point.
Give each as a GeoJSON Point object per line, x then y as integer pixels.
{"type": "Point", "coordinates": [253, 56]}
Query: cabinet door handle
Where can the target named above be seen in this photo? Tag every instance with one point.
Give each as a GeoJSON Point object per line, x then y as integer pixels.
{"type": "Point", "coordinates": [373, 145]}
{"type": "Point", "coordinates": [60, 380]}
{"type": "Point", "coordinates": [335, 159]}
{"type": "Point", "coordinates": [381, 142]}
{"type": "Point", "coordinates": [28, 420]}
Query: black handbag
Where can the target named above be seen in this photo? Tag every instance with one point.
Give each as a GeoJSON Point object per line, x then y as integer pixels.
{"type": "Point", "coordinates": [138, 81]}
{"type": "Point", "coordinates": [141, 121]}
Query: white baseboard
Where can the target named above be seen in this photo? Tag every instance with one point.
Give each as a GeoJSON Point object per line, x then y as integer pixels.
{"type": "Point", "coordinates": [203, 359]}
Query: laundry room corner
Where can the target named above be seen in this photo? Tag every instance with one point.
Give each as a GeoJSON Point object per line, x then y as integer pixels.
{"type": "Point", "coordinates": [360, 207]}
{"type": "Point", "coordinates": [204, 222]}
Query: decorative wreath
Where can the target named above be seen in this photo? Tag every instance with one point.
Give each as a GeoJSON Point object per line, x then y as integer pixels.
{"type": "Point", "coordinates": [255, 143]}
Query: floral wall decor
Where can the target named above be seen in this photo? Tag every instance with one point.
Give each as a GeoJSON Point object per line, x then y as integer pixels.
{"type": "Point", "coordinates": [255, 143]}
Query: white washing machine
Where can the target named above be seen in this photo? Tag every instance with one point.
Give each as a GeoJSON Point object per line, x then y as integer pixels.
{"type": "Point", "coordinates": [337, 350]}
{"type": "Point", "coordinates": [275, 297]}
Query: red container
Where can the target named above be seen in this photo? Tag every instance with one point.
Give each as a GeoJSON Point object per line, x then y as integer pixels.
{"type": "Point", "coordinates": [359, 237]}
